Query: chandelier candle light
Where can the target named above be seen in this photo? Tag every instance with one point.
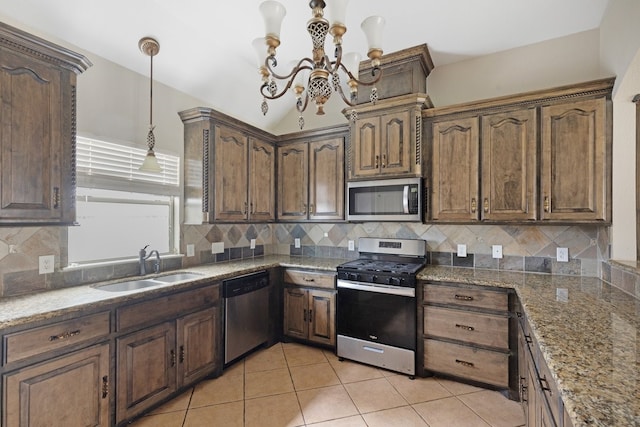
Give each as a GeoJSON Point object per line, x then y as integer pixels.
{"type": "Point", "coordinates": [150, 47]}
{"type": "Point", "coordinates": [310, 76]}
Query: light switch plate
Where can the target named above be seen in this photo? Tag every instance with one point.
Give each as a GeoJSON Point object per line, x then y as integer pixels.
{"type": "Point", "coordinates": [352, 245]}
{"type": "Point", "coordinates": [191, 249]}
{"type": "Point", "coordinates": [296, 243]}
{"type": "Point", "coordinates": [46, 264]}
{"type": "Point", "coordinates": [252, 244]}
{"type": "Point", "coordinates": [462, 251]}
{"type": "Point", "coordinates": [496, 251]}
{"type": "Point", "coordinates": [562, 254]}
{"type": "Point", "coordinates": [217, 247]}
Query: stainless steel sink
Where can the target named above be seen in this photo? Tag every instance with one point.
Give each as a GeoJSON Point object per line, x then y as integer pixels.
{"type": "Point", "coordinates": [177, 277]}
{"type": "Point", "coordinates": [132, 285]}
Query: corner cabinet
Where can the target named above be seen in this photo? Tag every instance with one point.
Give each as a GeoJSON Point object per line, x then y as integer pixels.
{"type": "Point", "coordinates": [386, 138]}
{"type": "Point", "coordinates": [542, 156]}
{"type": "Point", "coordinates": [229, 169]}
{"type": "Point", "coordinates": [311, 177]}
{"type": "Point", "coordinates": [37, 129]}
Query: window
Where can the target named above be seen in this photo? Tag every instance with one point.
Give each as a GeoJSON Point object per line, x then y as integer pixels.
{"type": "Point", "coordinates": [119, 209]}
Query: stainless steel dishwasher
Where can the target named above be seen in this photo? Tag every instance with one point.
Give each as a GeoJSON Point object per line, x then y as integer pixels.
{"type": "Point", "coordinates": [246, 314]}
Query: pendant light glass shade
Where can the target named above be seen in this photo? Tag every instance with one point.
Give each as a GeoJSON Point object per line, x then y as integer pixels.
{"type": "Point", "coordinates": [372, 27]}
{"type": "Point", "coordinates": [337, 11]}
{"type": "Point", "coordinates": [273, 14]}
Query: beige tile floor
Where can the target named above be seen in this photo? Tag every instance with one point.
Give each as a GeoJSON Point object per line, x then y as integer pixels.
{"type": "Point", "coordinates": [291, 385]}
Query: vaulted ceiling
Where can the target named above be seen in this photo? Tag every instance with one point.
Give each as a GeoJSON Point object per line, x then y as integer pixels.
{"type": "Point", "coordinates": [206, 44]}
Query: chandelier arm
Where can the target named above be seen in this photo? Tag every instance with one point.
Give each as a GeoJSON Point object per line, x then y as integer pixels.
{"type": "Point", "coordinates": [267, 95]}
{"type": "Point", "coordinates": [300, 106]}
{"type": "Point", "coordinates": [344, 98]}
{"type": "Point", "coordinates": [293, 72]}
{"type": "Point", "coordinates": [374, 71]}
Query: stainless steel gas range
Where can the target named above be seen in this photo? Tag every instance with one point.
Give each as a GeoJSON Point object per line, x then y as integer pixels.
{"type": "Point", "coordinates": [376, 306]}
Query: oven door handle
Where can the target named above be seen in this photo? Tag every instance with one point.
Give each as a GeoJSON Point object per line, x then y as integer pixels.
{"type": "Point", "coordinates": [381, 289]}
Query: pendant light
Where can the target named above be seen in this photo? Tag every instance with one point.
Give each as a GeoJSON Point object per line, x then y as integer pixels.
{"type": "Point", "coordinates": [150, 47]}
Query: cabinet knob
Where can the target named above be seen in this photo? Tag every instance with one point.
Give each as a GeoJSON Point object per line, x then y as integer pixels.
{"type": "Point", "coordinates": [304, 208]}
{"type": "Point", "coordinates": [547, 204]}
{"type": "Point", "coordinates": [486, 205]}
{"type": "Point", "coordinates": [311, 208]}
{"type": "Point", "coordinates": [384, 160]}
{"type": "Point", "coordinates": [474, 205]}
{"type": "Point", "coordinates": [377, 165]}
{"type": "Point", "coordinates": [56, 197]}
{"type": "Point", "coordinates": [244, 211]}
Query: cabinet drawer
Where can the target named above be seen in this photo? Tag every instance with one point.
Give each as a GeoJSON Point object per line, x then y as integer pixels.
{"type": "Point", "coordinates": [21, 345]}
{"type": "Point", "coordinates": [468, 297]}
{"type": "Point", "coordinates": [306, 278]}
{"type": "Point", "coordinates": [490, 367]}
{"type": "Point", "coordinates": [167, 307]}
{"type": "Point", "coordinates": [477, 328]}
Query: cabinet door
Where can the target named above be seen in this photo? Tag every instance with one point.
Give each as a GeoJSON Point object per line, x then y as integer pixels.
{"type": "Point", "coordinates": [509, 166]}
{"type": "Point", "coordinates": [293, 163]}
{"type": "Point", "coordinates": [196, 345]}
{"type": "Point", "coordinates": [395, 143]}
{"type": "Point", "coordinates": [295, 313]}
{"type": "Point", "coordinates": [575, 148]}
{"type": "Point", "coordinates": [70, 391]}
{"type": "Point", "coordinates": [322, 313]}
{"type": "Point", "coordinates": [455, 170]}
{"type": "Point", "coordinates": [326, 179]}
{"type": "Point", "coordinates": [262, 181]}
{"type": "Point", "coordinates": [146, 369]}
{"type": "Point", "coordinates": [231, 150]}
{"type": "Point", "coordinates": [366, 147]}
{"type": "Point", "coordinates": [31, 141]}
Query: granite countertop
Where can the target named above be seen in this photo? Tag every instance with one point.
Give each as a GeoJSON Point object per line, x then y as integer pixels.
{"type": "Point", "coordinates": [587, 330]}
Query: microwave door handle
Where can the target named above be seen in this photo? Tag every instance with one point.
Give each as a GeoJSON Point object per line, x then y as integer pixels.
{"type": "Point", "coordinates": [405, 199]}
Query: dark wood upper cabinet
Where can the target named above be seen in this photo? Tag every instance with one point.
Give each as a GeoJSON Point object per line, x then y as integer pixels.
{"type": "Point", "coordinates": [543, 156]}
{"type": "Point", "coordinates": [37, 129]}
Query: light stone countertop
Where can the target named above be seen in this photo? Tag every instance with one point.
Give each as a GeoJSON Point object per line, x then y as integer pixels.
{"type": "Point", "coordinates": [590, 339]}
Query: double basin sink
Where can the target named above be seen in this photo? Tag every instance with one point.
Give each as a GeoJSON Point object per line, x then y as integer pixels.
{"type": "Point", "coordinates": [132, 285]}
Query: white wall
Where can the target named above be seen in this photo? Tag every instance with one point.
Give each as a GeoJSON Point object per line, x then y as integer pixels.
{"type": "Point", "coordinates": [619, 52]}
{"type": "Point", "coordinates": [548, 64]}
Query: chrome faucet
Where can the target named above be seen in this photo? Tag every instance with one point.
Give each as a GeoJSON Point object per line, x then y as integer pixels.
{"type": "Point", "coordinates": [144, 256]}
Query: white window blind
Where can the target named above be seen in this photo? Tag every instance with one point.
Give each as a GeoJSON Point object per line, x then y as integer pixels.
{"type": "Point", "coordinates": [108, 165]}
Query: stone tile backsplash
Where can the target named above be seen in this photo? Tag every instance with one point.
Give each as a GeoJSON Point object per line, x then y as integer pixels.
{"type": "Point", "coordinates": [525, 247]}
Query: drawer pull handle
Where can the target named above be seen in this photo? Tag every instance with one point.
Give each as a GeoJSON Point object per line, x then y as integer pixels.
{"type": "Point", "coordinates": [523, 390]}
{"type": "Point", "coordinates": [528, 339]}
{"type": "Point", "coordinates": [310, 316]}
{"type": "Point", "coordinates": [464, 363]}
{"type": "Point", "coordinates": [64, 335]}
{"type": "Point", "coordinates": [181, 357]}
{"type": "Point", "coordinates": [474, 205]}
{"type": "Point", "coordinates": [173, 357]}
{"type": "Point", "coordinates": [545, 386]}
{"type": "Point", "coordinates": [306, 279]}
{"type": "Point", "coordinates": [465, 327]}
{"type": "Point", "coordinates": [463, 297]}
{"type": "Point", "coordinates": [105, 387]}
{"type": "Point", "coordinates": [304, 315]}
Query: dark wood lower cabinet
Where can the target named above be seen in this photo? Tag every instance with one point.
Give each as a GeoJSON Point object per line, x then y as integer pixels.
{"type": "Point", "coordinates": [71, 391]}
{"type": "Point", "coordinates": [155, 362]}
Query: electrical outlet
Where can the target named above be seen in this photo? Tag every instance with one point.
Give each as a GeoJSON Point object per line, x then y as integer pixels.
{"type": "Point", "coordinates": [217, 247]}
{"type": "Point", "coordinates": [252, 244]}
{"type": "Point", "coordinates": [296, 243]}
{"type": "Point", "coordinates": [462, 251]}
{"type": "Point", "coordinates": [562, 254]}
{"type": "Point", "coordinates": [45, 264]}
{"type": "Point", "coordinates": [496, 251]}
{"type": "Point", "coordinates": [352, 245]}
{"type": "Point", "coordinates": [191, 249]}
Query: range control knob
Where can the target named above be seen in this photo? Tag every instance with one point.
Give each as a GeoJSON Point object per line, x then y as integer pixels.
{"type": "Point", "coordinates": [353, 276]}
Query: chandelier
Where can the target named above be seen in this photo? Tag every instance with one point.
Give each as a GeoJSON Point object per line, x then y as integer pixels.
{"type": "Point", "coordinates": [310, 78]}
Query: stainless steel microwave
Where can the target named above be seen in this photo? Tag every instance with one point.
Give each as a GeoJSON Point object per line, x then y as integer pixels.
{"type": "Point", "coordinates": [385, 200]}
